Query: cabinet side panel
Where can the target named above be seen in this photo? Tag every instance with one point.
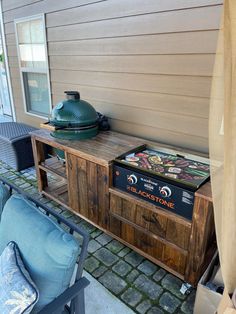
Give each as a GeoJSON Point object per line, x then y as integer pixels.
{"type": "Point", "coordinates": [39, 156]}
{"type": "Point", "coordinates": [202, 243]}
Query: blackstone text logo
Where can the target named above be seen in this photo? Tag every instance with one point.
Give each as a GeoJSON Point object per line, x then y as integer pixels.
{"type": "Point", "coordinates": [151, 197]}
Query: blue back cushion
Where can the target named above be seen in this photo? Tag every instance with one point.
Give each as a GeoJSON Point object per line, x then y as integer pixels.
{"type": "Point", "coordinates": [4, 195]}
{"type": "Point", "coordinates": [48, 252]}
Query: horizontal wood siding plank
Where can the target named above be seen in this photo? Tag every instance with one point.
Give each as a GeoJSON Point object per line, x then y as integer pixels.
{"type": "Point", "coordinates": [195, 65]}
{"type": "Point", "coordinates": [206, 18]}
{"type": "Point", "coordinates": [12, 51]}
{"type": "Point", "coordinates": [105, 10]}
{"type": "Point", "coordinates": [194, 106]}
{"type": "Point", "coordinates": [11, 39]}
{"type": "Point", "coordinates": [15, 73]}
{"type": "Point", "coordinates": [176, 43]}
{"type": "Point", "coordinates": [28, 119]}
{"type": "Point", "coordinates": [13, 61]}
{"type": "Point", "coordinates": [171, 122]}
{"type": "Point", "coordinates": [13, 4]}
{"type": "Point", "coordinates": [9, 28]}
{"type": "Point", "coordinates": [44, 6]}
{"type": "Point", "coordinates": [163, 136]}
{"type": "Point", "coordinates": [171, 85]}
{"type": "Point", "coordinates": [18, 96]}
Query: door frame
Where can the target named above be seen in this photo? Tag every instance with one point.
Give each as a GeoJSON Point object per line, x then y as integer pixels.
{"type": "Point", "coordinates": [7, 64]}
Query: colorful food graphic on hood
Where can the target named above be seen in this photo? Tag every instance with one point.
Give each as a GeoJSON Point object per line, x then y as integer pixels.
{"type": "Point", "coordinates": [174, 167]}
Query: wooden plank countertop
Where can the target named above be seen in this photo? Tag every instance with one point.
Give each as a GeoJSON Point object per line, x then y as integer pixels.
{"type": "Point", "coordinates": [102, 149]}
{"type": "Point", "coordinates": [107, 146]}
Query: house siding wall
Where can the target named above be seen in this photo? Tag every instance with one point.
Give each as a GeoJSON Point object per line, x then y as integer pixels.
{"type": "Point", "coordinates": [147, 65]}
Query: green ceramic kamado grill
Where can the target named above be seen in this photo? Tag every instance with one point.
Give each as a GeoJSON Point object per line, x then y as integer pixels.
{"type": "Point", "coordinates": [74, 118]}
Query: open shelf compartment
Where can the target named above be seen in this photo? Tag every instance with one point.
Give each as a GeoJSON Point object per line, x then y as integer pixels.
{"type": "Point", "coordinates": [55, 166]}
{"type": "Point", "coordinates": [58, 191]}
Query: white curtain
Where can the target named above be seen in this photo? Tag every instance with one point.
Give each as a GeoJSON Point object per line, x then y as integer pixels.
{"type": "Point", "coordinates": [222, 141]}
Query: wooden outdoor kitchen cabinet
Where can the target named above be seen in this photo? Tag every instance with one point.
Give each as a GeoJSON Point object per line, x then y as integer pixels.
{"type": "Point", "coordinates": [83, 184]}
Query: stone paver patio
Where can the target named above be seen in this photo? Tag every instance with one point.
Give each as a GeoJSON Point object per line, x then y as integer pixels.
{"type": "Point", "coordinates": [140, 284]}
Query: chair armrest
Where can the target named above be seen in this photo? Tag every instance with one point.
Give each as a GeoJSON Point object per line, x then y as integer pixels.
{"type": "Point", "coordinates": [65, 297]}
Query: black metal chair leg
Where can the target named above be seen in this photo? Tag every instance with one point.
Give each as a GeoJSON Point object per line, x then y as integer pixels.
{"type": "Point", "coordinates": [80, 306]}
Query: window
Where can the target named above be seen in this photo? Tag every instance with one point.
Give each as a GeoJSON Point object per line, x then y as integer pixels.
{"type": "Point", "coordinates": [32, 55]}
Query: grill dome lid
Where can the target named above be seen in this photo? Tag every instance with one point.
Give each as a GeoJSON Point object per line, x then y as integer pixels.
{"type": "Point", "coordinates": [73, 112]}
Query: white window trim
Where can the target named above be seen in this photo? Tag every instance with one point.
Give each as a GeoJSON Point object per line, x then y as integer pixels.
{"type": "Point", "coordinates": [23, 69]}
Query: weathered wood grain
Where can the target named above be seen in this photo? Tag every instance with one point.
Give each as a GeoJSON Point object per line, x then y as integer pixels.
{"type": "Point", "coordinates": [101, 149]}
{"type": "Point", "coordinates": [171, 257]}
{"type": "Point", "coordinates": [181, 246]}
{"type": "Point", "coordinates": [103, 196]}
{"type": "Point", "coordinates": [202, 240]}
{"type": "Point", "coordinates": [88, 189]}
{"type": "Point", "coordinates": [165, 226]}
{"type": "Point", "coordinates": [39, 156]}
{"type": "Point", "coordinates": [178, 233]}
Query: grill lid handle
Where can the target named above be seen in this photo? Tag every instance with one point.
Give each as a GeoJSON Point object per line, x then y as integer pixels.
{"type": "Point", "coordinates": [72, 95]}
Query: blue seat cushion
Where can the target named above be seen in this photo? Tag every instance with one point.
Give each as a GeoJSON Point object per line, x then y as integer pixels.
{"type": "Point", "coordinates": [48, 252]}
{"type": "Point", "coordinates": [4, 195]}
{"type": "Point", "coordinates": [18, 293]}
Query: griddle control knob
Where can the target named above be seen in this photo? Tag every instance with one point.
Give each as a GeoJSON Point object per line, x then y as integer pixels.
{"type": "Point", "coordinates": [132, 179]}
{"type": "Point", "coordinates": [165, 191]}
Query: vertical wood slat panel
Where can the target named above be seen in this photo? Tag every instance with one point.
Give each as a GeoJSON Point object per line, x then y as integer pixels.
{"type": "Point", "coordinates": [202, 238]}
{"type": "Point", "coordinates": [82, 186]}
{"type": "Point", "coordinates": [174, 259]}
{"type": "Point", "coordinates": [171, 257]}
{"type": "Point", "coordinates": [149, 245]}
{"type": "Point", "coordinates": [88, 189]}
{"type": "Point", "coordinates": [178, 234]}
{"type": "Point", "coordinates": [93, 204]}
{"type": "Point", "coordinates": [72, 169]}
{"type": "Point", "coordinates": [103, 195]}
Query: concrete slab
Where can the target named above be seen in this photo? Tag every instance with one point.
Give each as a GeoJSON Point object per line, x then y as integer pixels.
{"type": "Point", "coordinates": [98, 300]}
